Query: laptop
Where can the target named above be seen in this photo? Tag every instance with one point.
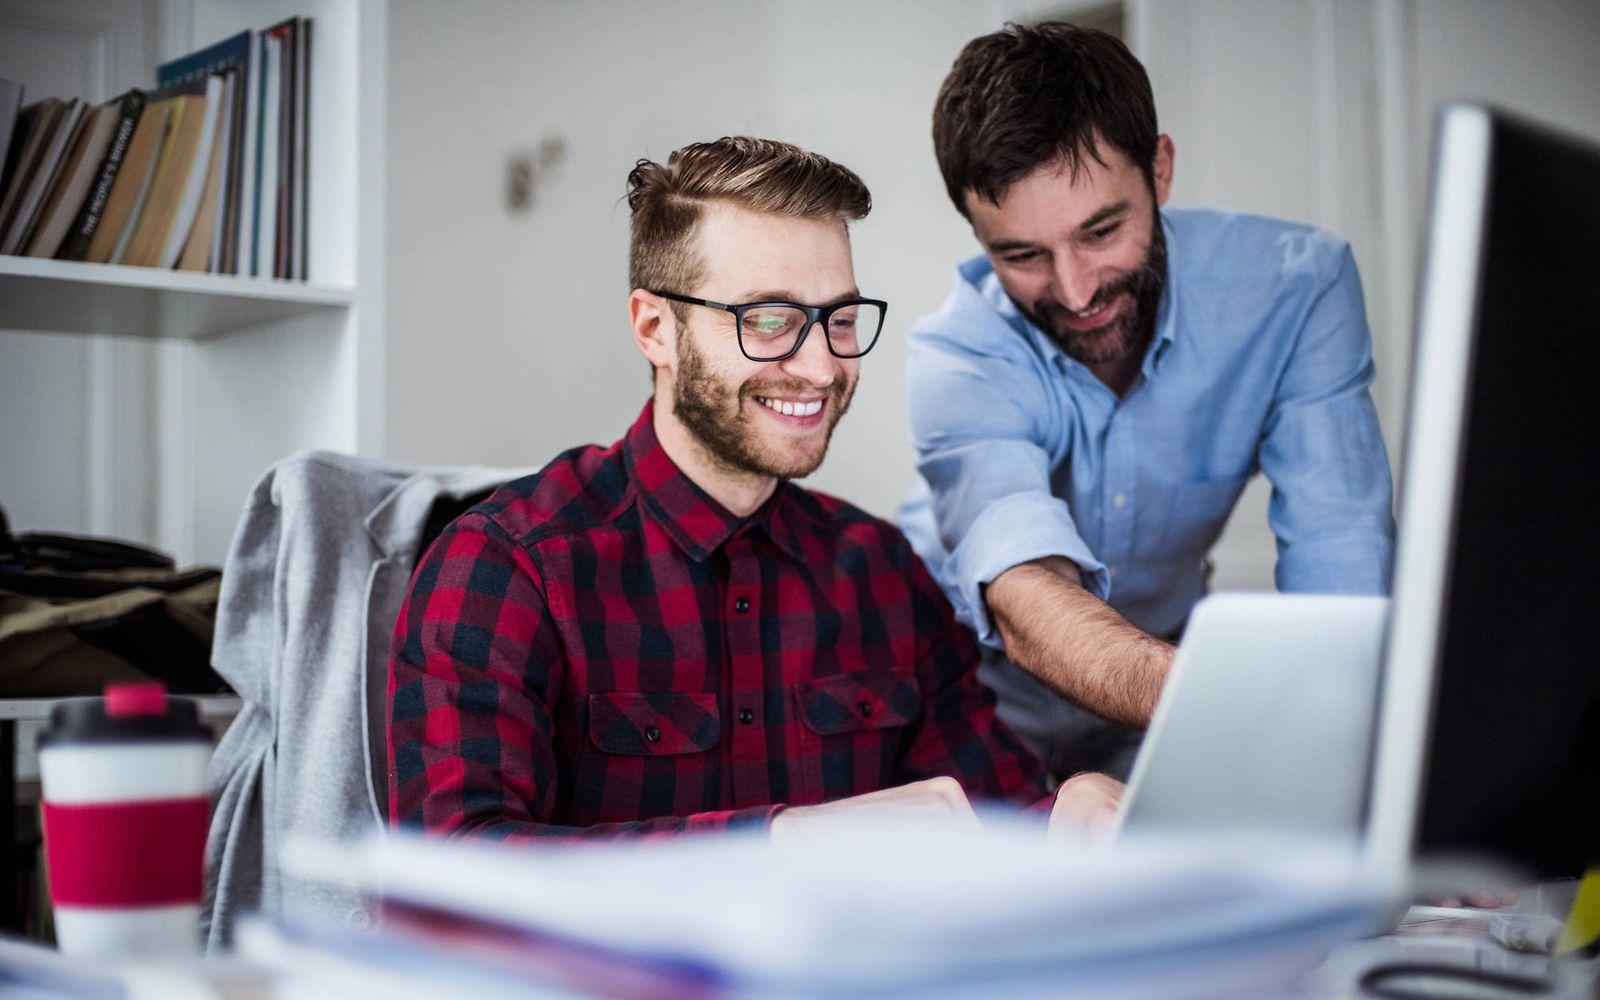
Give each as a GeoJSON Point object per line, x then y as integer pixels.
{"type": "Point", "coordinates": [1266, 720]}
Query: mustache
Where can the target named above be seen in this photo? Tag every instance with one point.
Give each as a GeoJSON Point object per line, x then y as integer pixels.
{"type": "Point", "coordinates": [1133, 281]}
{"type": "Point", "coordinates": [1144, 281]}
{"type": "Point", "coordinates": [790, 388]}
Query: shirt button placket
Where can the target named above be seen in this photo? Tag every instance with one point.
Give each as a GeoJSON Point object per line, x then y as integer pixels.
{"type": "Point", "coordinates": [747, 674]}
{"type": "Point", "coordinates": [1119, 490]}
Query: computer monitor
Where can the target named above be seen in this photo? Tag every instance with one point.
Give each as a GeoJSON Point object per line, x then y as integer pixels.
{"type": "Point", "coordinates": [1489, 732]}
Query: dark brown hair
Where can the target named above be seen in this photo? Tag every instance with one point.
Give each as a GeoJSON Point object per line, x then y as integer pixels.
{"type": "Point", "coordinates": [762, 175]}
{"type": "Point", "coordinates": [1027, 97]}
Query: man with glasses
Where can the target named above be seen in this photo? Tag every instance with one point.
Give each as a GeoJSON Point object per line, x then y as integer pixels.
{"type": "Point", "coordinates": [669, 635]}
{"type": "Point", "coordinates": [1106, 376]}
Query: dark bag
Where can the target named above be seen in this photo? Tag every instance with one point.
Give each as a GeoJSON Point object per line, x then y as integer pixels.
{"type": "Point", "coordinates": [78, 613]}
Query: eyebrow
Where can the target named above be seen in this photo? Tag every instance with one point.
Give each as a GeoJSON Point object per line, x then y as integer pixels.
{"type": "Point", "coordinates": [786, 295]}
{"type": "Point", "coordinates": [1104, 214]}
{"type": "Point", "coordinates": [1109, 212]}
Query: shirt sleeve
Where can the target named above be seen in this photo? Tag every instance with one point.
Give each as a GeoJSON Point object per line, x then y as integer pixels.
{"type": "Point", "coordinates": [473, 665]}
{"type": "Point", "coordinates": [981, 423]}
{"type": "Point", "coordinates": [958, 733]}
{"type": "Point", "coordinates": [1324, 454]}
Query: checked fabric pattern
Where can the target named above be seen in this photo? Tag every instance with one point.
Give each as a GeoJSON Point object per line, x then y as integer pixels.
{"type": "Point", "coordinates": [601, 649]}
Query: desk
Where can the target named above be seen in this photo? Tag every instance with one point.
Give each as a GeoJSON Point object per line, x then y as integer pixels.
{"type": "Point", "coordinates": [31, 714]}
{"type": "Point", "coordinates": [1461, 944]}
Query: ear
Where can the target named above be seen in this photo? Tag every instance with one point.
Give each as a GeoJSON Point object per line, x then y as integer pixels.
{"type": "Point", "coordinates": [1161, 169]}
{"type": "Point", "coordinates": [655, 328]}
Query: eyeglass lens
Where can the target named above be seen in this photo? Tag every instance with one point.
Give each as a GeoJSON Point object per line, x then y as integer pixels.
{"type": "Point", "coordinates": [770, 331]}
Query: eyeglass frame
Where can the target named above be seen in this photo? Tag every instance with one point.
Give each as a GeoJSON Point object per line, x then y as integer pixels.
{"type": "Point", "coordinates": [814, 315]}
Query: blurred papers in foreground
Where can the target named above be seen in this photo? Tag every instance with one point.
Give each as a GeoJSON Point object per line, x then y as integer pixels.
{"type": "Point", "coordinates": [872, 910]}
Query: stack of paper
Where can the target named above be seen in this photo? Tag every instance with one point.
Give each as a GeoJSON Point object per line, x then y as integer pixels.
{"type": "Point", "coordinates": [873, 910]}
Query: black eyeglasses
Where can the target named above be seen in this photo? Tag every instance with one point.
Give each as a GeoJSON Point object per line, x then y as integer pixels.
{"type": "Point", "coordinates": [774, 331]}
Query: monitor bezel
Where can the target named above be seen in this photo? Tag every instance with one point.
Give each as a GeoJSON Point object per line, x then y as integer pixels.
{"type": "Point", "coordinates": [1441, 384]}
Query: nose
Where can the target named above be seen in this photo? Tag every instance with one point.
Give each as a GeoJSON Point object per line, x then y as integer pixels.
{"type": "Point", "coordinates": [813, 363]}
{"type": "Point", "coordinates": [1075, 284]}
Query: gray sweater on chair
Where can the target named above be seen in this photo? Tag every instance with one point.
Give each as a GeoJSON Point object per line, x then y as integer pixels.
{"type": "Point", "coordinates": [313, 582]}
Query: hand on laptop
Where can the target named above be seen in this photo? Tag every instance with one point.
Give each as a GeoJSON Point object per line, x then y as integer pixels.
{"type": "Point", "coordinates": [931, 799]}
{"type": "Point", "coordinates": [1086, 806]}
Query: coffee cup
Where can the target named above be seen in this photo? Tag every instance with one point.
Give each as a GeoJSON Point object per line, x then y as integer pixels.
{"type": "Point", "coordinates": [124, 813]}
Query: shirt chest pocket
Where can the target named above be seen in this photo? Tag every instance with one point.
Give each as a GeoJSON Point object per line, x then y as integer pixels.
{"type": "Point", "coordinates": [651, 754]}
{"type": "Point", "coordinates": [851, 728]}
{"type": "Point", "coordinates": [657, 724]}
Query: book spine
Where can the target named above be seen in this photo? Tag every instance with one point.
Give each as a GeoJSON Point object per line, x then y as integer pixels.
{"type": "Point", "coordinates": [83, 228]}
{"type": "Point", "coordinates": [45, 178]}
{"type": "Point", "coordinates": [303, 151]}
{"type": "Point", "coordinates": [245, 209]}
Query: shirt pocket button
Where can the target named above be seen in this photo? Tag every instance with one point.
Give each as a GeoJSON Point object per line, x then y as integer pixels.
{"type": "Point", "coordinates": [653, 734]}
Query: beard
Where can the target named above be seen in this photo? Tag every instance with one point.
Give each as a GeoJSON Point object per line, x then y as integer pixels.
{"type": "Point", "coordinates": [1132, 329]}
{"type": "Point", "coordinates": [714, 412]}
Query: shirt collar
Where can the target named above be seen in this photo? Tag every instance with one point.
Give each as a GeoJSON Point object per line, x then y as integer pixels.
{"type": "Point", "coordinates": [1167, 311]}
{"type": "Point", "coordinates": [690, 516]}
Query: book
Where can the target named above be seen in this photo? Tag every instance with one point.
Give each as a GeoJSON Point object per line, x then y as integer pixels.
{"type": "Point", "coordinates": [215, 201]}
{"type": "Point", "coordinates": [283, 197]}
{"type": "Point", "coordinates": [30, 202]}
{"type": "Point", "coordinates": [187, 206]}
{"type": "Point", "coordinates": [160, 205]}
{"type": "Point", "coordinates": [231, 51]}
{"type": "Point", "coordinates": [266, 249]}
{"type": "Point", "coordinates": [234, 56]}
{"type": "Point", "coordinates": [243, 207]}
{"type": "Point", "coordinates": [72, 183]}
{"type": "Point", "coordinates": [299, 190]}
{"type": "Point", "coordinates": [198, 250]}
{"type": "Point", "coordinates": [10, 108]}
{"type": "Point", "coordinates": [33, 125]}
{"type": "Point", "coordinates": [81, 232]}
{"type": "Point", "coordinates": [132, 180]}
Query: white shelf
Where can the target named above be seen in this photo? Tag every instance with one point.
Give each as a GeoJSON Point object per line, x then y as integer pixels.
{"type": "Point", "coordinates": [59, 296]}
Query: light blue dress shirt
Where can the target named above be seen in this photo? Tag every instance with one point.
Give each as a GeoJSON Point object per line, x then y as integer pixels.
{"type": "Point", "coordinates": [1261, 362]}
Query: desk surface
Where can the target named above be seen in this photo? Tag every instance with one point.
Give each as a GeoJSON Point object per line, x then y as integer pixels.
{"type": "Point", "coordinates": [38, 709]}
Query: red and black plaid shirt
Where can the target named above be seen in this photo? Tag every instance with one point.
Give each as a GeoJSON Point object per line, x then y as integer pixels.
{"type": "Point", "coordinates": [602, 649]}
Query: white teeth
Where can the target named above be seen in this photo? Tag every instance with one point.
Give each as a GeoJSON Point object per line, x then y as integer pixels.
{"type": "Point", "coordinates": [791, 409]}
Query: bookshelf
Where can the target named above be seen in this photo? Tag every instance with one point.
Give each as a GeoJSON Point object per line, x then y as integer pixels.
{"type": "Point", "coordinates": [59, 296]}
{"type": "Point", "coordinates": [208, 379]}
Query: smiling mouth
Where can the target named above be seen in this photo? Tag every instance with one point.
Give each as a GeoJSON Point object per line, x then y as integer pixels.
{"type": "Point", "coordinates": [1093, 319]}
{"type": "Point", "coordinates": [792, 408]}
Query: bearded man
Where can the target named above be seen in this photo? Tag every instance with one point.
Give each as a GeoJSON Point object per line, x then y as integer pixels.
{"type": "Point", "coordinates": [669, 635]}
{"type": "Point", "coordinates": [1106, 376]}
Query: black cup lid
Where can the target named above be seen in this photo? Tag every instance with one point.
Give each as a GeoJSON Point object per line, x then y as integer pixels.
{"type": "Point", "coordinates": [127, 714]}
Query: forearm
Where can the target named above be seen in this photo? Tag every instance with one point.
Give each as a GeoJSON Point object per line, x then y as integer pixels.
{"type": "Point", "coordinates": [1076, 643]}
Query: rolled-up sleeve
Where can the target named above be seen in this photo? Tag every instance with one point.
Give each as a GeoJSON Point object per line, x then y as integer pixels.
{"type": "Point", "coordinates": [986, 437]}
{"type": "Point", "coordinates": [1324, 453]}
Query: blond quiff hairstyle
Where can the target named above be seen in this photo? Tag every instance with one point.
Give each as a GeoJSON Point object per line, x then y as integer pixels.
{"type": "Point", "coordinates": [761, 175]}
